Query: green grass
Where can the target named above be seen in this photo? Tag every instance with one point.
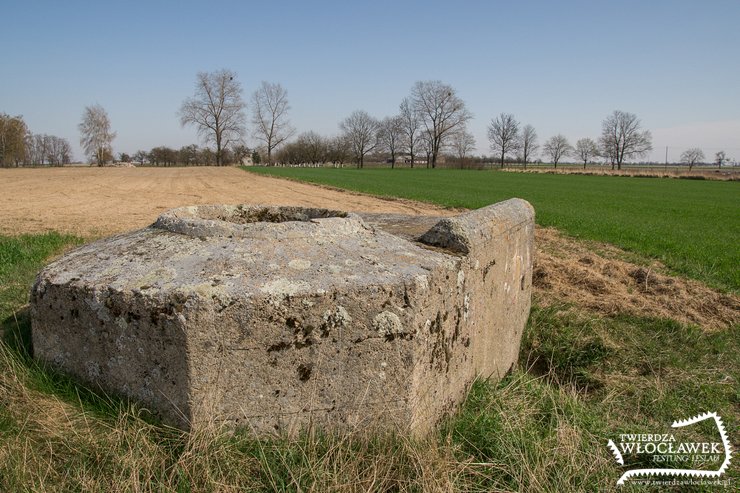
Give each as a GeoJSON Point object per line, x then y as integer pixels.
{"type": "Point", "coordinates": [20, 258]}
{"type": "Point", "coordinates": [692, 226]}
{"type": "Point", "coordinates": [582, 379]}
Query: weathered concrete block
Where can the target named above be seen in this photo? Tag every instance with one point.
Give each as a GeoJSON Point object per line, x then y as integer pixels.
{"type": "Point", "coordinates": [275, 317]}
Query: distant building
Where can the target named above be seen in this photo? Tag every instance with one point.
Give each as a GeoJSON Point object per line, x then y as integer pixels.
{"type": "Point", "coordinates": [406, 159]}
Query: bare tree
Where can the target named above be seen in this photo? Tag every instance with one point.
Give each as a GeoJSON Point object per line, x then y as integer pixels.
{"type": "Point", "coordinates": [557, 147]}
{"type": "Point", "coordinates": [503, 133]}
{"type": "Point", "coordinates": [29, 156]}
{"type": "Point", "coordinates": [720, 158]}
{"type": "Point", "coordinates": [309, 148]}
{"type": "Point", "coordinates": [240, 153]}
{"type": "Point", "coordinates": [96, 137]}
{"type": "Point", "coordinates": [59, 151]}
{"type": "Point", "coordinates": [47, 149]}
{"type": "Point", "coordinates": [441, 112]}
{"type": "Point", "coordinates": [586, 149]}
{"type": "Point", "coordinates": [361, 132]}
{"type": "Point", "coordinates": [270, 116]}
{"type": "Point", "coordinates": [35, 149]}
{"type": "Point", "coordinates": [463, 143]}
{"type": "Point", "coordinates": [622, 138]}
{"type": "Point", "coordinates": [607, 151]}
{"type": "Point", "coordinates": [206, 157]}
{"type": "Point", "coordinates": [216, 110]}
{"type": "Point", "coordinates": [43, 148]}
{"type": "Point", "coordinates": [692, 156]}
{"type": "Point", "coordinates": [528, 143]}
{"type": "Point", "coordinates": [314, 147]}
{"type": "Point", "coordinates": [39, 148]}
{"type": "Point", "coordinates": [141, 156]}
{"type": "Point", "coordinates": [411, 127]}
{"type": "Point", "coordinates": [338, 150]}
{"type": "Point", "coordinates": [163, 155]}
{"type": "Point", "coordinates": [188, 154]}
{"type": "Point", "coordinates": [66, 152]}
{"type": "Point", "coordinates": [390, 136]}
{"type": "Point", "coordinates": [426, 145]}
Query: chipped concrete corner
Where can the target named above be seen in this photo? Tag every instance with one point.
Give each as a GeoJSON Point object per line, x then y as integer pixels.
{"type": "Point", "coordinates": [276, 317]}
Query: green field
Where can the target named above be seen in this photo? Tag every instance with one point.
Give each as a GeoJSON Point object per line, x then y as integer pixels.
{"type": "Point", "coordinates": [692, 226]}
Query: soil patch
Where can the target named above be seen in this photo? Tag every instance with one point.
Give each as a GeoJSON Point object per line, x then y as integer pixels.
{"type": "Point", "coordinates": [93, 202]}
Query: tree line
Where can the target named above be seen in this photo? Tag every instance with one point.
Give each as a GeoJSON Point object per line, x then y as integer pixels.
{"type": "Point", "coordinates": [430, 125]}
{"type": "Point", "coordinates": [622, 138]}
{"type": "Point", "coordinates": [21, 147]}
{"type": "Point", "coordinates": [190, 155]}
{"type": "Point", "coordinates": [430, 121]}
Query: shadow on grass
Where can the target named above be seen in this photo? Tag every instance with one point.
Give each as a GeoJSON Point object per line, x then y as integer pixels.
{"type": "Point", "coordinates": [563, 348]}
{"type": "Point", "coordinates": [16, 333]}
{"type": "Point", "coordinates": [17, 337]}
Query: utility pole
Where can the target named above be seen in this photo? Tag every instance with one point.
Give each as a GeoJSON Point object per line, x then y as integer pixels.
{"type": "Point", "coordinates": [666, 158]}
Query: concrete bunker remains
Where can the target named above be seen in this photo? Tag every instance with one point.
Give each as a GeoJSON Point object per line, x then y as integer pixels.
{"type": "Point", "coordinates": [276, 317]}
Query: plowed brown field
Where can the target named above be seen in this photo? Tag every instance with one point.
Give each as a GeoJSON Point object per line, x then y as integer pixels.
{"type": "Point", "coordinates": [99, 201]}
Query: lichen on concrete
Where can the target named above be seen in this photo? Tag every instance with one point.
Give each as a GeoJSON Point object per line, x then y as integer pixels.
{"type": "Point", "coordinates": [276, 317]}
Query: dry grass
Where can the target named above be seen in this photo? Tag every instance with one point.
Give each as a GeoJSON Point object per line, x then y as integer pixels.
{"type": "Point", "coordinates": [48, 443]}
{"type": "Point", "coordinates": [499, 442]}
{"type": "Point", "coordinates": [596, 277]}
{"type": "Point", "coordinates": [533, 436]}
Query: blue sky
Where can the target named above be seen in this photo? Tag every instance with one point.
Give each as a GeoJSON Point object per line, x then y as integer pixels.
{"type": "Point", "coordinates": [561, 66]}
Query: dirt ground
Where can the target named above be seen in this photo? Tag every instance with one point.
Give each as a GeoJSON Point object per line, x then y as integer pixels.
{"type": "Point", "coordinates": [93, 202]}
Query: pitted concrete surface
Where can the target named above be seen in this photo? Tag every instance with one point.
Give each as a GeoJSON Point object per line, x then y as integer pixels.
{"type": "Point", "coordinates": [277, 317]}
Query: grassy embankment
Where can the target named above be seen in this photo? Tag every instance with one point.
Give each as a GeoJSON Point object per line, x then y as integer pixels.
{"type": "Point", "coordinates": [693, 227]}
{"type": "Point", "coordinates": [583, 379]}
